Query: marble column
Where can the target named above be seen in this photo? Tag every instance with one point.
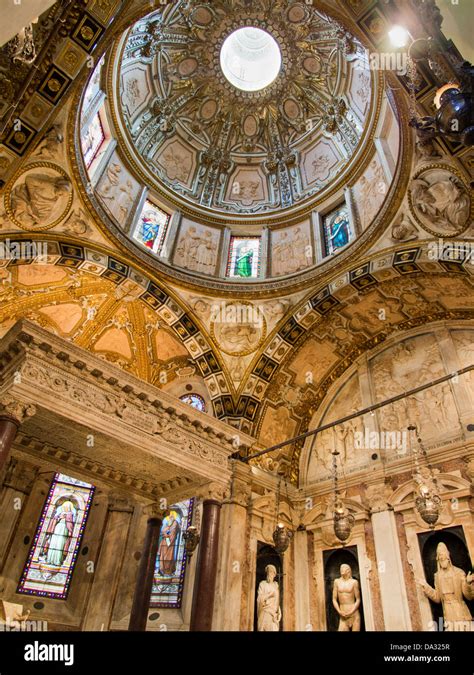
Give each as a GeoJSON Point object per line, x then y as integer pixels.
{"type": "Point", "coordinates": [108, 570]}
{"type": "Point", "coordinates": [144, 582]}
{"type": "Point", "coordinates": [233, 551]}
{"type": "Point", "coordinates": [396, 612]}
{"type": "Point", "coordinates": [17, 485]}
{"type": "Point", "coordinates": [206, 570]}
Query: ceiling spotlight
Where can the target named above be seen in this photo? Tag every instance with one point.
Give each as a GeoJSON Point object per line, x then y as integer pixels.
{"type": "Point", "coordinates": [399, 36]}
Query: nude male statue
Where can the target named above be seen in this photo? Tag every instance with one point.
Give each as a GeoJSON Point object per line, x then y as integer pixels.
{"type": "Point", "coordinates": [346, 600]}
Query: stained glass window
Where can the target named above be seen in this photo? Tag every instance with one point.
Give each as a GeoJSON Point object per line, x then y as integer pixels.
{"type": "Point", "coordinates": [92, 139]}
{"type": "Point", "coordinates": [195, 401]}
{"type": "Point", "coordinates": [171, 559]}
{"type": "Point", "coordinates": [53, 553]}
{"type": "Point", "coordinates": [337, 229]}
{"type": "Point", "coordinates": [244, 257]}
{"type": "Point", "coordinates": [151, 227]}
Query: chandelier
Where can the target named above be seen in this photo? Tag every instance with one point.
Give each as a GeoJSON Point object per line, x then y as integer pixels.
{"type": "Point", "coordinates": [427, 499]}
{"type": "Point", "coordinates": [343, 521]}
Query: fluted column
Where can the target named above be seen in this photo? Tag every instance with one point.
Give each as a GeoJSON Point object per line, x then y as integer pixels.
{"type": "Point", "coordinates": [206, 569]}
{"type": "Point", "coordinates": [146, 569]}
{"type": "Point", "coordinates": [109, 565]}
{"type": "Point", "coordinates": [12, 414]}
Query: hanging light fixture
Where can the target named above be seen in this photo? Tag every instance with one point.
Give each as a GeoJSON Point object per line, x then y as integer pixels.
{"type": "Point", "coordinates": [282, 536]}
{"type": "Point", "coordinates": [343, 520]}
{"type": "Point", "coordinates": [427, 499]}
{"type": "Point", "coordinates": [454, 101]}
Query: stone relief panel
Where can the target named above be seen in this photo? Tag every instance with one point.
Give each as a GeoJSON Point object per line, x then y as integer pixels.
{"type": "Point", "coordinates": [197, 248]}
{"type": "Point", "coordinates": [319, 163]}
{"type": "Point", "coordinates": [118, 190]}
{"type": "Point", "coordinates": [370, 191]}
{"type": "Point", "coordinates": [464, 343]}
{"type": "Point", "coordinates": [346, 401]}
{"type": "Point", "coordinates": [247, 186]}
{"type": "Point", "coordinates": [291, 249]}
{"type": "Point", "coordinates": [136, 89]}
{"type": "Point", "coordinates": [177, 161]}
{"type": "Point", "coordinates": [440, 201]}
{"type": "Point", "coordinates": [402, 367]}
{"type": "Point", "coordinates": [359, 88]}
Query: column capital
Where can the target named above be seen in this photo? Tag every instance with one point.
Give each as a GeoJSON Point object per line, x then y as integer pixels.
{"type": "Point", "coordinates": [155, 511]}
{"type": "Point", "coordinates": [213, 492]}
{"type": "Point", "coordinates": [120, 502]}
{"type": "Point", "coordinates": [376, 497]}
{"type": "Point", "coordinates": [241, 485]}
{"type": "Point", "coordinates": [15, 410]}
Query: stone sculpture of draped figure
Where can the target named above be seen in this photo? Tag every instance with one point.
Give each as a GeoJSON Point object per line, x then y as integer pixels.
{"type": "Point", "coordinates": [268, 602]}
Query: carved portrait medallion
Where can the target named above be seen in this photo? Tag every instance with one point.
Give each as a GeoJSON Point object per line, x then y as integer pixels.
{"type": "Point", "coordinates": [239, 328]}
{"type": "Point", "coordinates": [440, 201]}
{"type": "Point", "coordinates": [39, 196]}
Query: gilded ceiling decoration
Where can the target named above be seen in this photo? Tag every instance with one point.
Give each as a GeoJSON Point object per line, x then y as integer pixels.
{"type": "Point", "coordinates": [241, 152]}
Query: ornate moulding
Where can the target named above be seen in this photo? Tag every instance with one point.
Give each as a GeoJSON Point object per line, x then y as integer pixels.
{"type": "Point", "coordinates": [76, 385]}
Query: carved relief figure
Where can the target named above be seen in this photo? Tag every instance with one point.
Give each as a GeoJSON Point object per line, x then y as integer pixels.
{"type": "Point", "coordinates": [40, 199]}
{"type": "Point", "coordinates": [268, 602]}
{"type": "Point", "coordinates": [346, 600]}
{"type": "Point", "coordinates": [290, 251]}
{"type": "Point", "coordinates": [132, 91]}
{"type": "Point", "coordinates": [198, 250]}
{"type": "Point", "coordinates": [441, 202]}
{"type": "Point", "coordinates": [451, 587]}
{"type": "Point", "coordinates": [371, 190]}
{"type": "Point", "coordinates": [118, 191]}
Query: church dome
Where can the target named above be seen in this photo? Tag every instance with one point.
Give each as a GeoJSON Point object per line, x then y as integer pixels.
{"type": "Point", "coordinates": [236, 123]}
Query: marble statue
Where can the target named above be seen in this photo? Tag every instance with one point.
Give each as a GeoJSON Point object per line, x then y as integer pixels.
{"type": "Point", "coordinates": [268, 602]}
{"type": "Point", "coordinates": [451, 587]}
{"type": "Point", "coordinates": [346, 600]}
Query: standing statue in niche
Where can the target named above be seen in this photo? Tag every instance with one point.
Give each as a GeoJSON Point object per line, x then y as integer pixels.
{"type": "Point", "coordinates": [346, 600]}
{"type": "Point", "coordinates": [268, 602]}
{"type": "Point", "coordinates": [451, 587]}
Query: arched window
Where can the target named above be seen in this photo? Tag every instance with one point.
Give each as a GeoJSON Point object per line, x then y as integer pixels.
{"type": "Point", "coordinates": [195, 401]}
{"type": "Point", "coordinates": [171, 559]}
{"type": "Point", "coordinates": [53, 553]}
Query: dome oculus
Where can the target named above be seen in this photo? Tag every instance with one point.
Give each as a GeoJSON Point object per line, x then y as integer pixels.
{"type": "Point", "coordinates": [250, 59]}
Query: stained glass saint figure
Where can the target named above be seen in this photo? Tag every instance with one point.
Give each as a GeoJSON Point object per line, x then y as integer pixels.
{"type": "Point", "coordinates": [337, 229]}
{"type": "Point", "coordinates": [243, 261]}
{"type": "Point", "coordinates": [59, 534]}
{"type": "Point", "coordinates": [168, 545]}
{"type": "Point", "coordinates": [150, 230]}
